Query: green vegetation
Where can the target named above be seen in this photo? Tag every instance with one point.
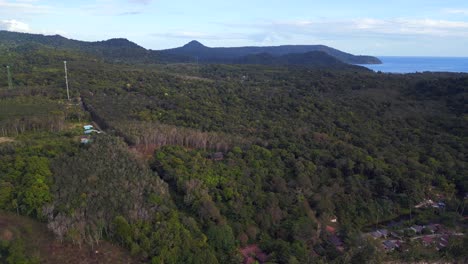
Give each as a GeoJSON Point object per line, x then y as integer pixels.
{"type": "Point", "coordinates": [25, 174]}
{"type": "Point", "coordinates": [14, 252]}
{"type": "Point", "coordinates": [23, 240]}
{"type": "Point", "coordinates": [299, 147]}
{"type": "Point", "coordinates": [313, 144]}
{"type": "Point", "coordinates": [103, 192]}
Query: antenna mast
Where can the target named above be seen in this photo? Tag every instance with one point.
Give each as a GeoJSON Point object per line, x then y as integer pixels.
{"type": "Point", "coordinates": [66, 79]}
{"type": "Point", "coordinates": [10, 82]}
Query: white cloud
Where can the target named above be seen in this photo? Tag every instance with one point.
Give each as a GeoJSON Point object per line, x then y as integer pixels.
{"type": "Point", "coordinates": [14, 25]}
{"type": "Point", "coordinates": [430, 27]}
{"type": "Point", "coordinates": [368, 23]}
{"type": "Point", "coordinates": [456, 11]}
{"type": "Point", "coordinates": [130, 13]}
{"type": "Point", "coordinates": [396, 27]}
{"type": "Point", "coordinates": [23, 6]}
{"type": "Point", "coordinates": [19, 26]}
{"type": "Point", "coordinates": [142, 2]}
{"type": "Point", "coordinates": [109, 8]}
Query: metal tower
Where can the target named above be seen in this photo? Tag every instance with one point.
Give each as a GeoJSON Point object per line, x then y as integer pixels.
{"type": "Point", "coordinates": [66, 79]}
{"type": "Point", "coordinates": [10, 81]}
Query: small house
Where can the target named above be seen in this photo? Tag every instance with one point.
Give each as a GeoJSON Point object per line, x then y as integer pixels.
{"type": "Point", "coordinates": [433, 227]}
{"type": "Point", "coordinates": [84, 140]}
{"type": "Point", "coordinates": [88, 127]}
{"type": "Point", "coordinates": [427, 240]}
{"type": "Point", "coordinates": [380, 233]}
{"type": "Point", "coordinates": [389, 245]}
{"type": "Point", "coordinates": [395, 235]}
{"type": "Point", "coordinates": [443, 242]}
{"type": "Point", "coordinates": [334, 219]}
{"type": "Point", "coordinates": [87, 132]}
{"type": "Point", "coordinates": [444, 238]}
{"type": "Point", "coordinates": [376, 234]}
{"type": "Point", "coordinates": [330, 229]}
{"type": "Point", "coordinates": [417, 228]}
{"type": "Point", "coordinates": [384, 232]}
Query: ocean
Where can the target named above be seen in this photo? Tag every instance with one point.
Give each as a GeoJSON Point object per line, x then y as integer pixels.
{"type": "Point", "coordinates": [420, 64]}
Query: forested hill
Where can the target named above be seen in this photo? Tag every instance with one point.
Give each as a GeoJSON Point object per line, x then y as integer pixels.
{"type": "Point", "coordinates": [313, 59]}
{"type": "Point", "coordinates": [123, 50]}
{"type": "Point", "coordinates": [203, 53]}
{"type": "Point", "coordinates": [111, 50]}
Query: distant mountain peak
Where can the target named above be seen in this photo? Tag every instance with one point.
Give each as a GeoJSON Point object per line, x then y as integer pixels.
{"type": "Point", "coordinates": [194, 44]}
{"type": "Point", "coordinates": [120, 43]}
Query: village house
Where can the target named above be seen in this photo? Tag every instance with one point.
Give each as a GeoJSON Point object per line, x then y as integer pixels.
{"type": "Point", "coordinates": [330, 229]}
{"type": "Point", "coordinates": [384, 232]}
{"type": "Point", "coordinates": [417, 228]}
{"type": "Point", "coordinates": [380, 233]}
{"type": "Point", "coordinates": [376, 234]}
{"type": "Point", "coordinates": [390, 245]}
{"type": "Point", "coordinates": [433, 227]}
{"type": "Point", "coordinates": [87, 132]}
{"type": "Point", "coordinates": [395, 235]}
{"type": "Point", "coordinates": [427, 241]}
{"type": "Point", "coordinates": [443, 242]}
{"type": "Point", "coordinates": [84, 140]}
{"type": "Point", "coordinates": [89, 129]}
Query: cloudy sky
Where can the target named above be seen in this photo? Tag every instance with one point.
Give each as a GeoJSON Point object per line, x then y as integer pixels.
{"type": "Point", "coordinates": [394, 27]}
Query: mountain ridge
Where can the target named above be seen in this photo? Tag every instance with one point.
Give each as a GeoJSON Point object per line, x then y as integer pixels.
{"type": "Point", "coordinates": [124, 50]}
{"type": "Point", "coordinates": [196, 49]}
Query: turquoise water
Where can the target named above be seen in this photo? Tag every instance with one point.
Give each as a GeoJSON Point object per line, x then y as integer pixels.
{"type": "Point", "coordinates": [420, 64]}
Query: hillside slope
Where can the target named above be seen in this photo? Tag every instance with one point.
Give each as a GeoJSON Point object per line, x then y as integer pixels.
{"type": "Point", "coordinates": [309, 59]}
{"type": "Point", "coordinates": [123, 50]}
{"type": "Point", "coordinates": [112, 49]}
{"type": "Point", "coordinates": [196, 49]}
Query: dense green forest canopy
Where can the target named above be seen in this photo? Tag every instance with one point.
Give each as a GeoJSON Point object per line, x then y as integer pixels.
{"type": "Point", "coordinates": [201, 163]}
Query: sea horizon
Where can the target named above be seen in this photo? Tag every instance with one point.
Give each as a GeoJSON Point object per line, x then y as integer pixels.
{"type": "Point", "coordinates": [414, 64]}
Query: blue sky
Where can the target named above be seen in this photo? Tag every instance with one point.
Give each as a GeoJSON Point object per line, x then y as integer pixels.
{"type": "Point", "coordinates": [396, 27]}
